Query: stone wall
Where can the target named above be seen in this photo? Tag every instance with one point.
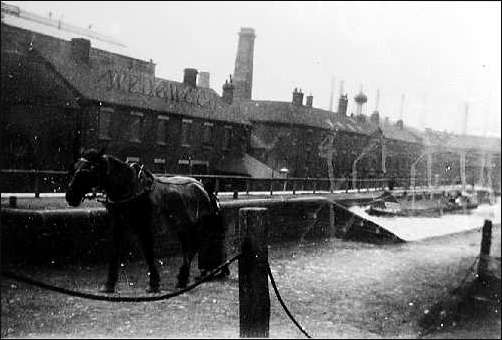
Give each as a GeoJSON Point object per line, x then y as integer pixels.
{"type": "Point", "coordinates": [83, 235]}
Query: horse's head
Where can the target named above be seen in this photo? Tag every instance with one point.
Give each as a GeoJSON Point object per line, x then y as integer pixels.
{"type": "Point", "coordinates": [88, 174]}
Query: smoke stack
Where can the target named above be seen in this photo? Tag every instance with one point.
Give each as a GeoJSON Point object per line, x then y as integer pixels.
{"type": "Point", "coordinates": [375, 118]}
{"type": "Point", "coordinates": [331, 94]}
{"type": "Point", "coordinates": [243, 72]}
{"type": "Point", "coordinates": [297, 97]}
{"type": "Point", "coordinates": [80, 49]}
{"type": "Point", "coordinates": [203, 80]}
{"type": "Point", "coordinates": [228, 91]}
{"type": "Point", "coordinates": [342, 104]}
{"type": "Point", "coordinates": [401, 113]}
{"type": "Point", "coordinates": [310, 100]}
{"type": "Point", "coordinates": [466, 114]}
{"type": "Point", "coordinates": [190, 77]}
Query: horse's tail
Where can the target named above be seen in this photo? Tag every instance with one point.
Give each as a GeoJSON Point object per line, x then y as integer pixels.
{"type": "Point", "coordinates": [213, 252]}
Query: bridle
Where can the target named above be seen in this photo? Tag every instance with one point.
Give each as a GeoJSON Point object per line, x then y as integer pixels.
{"type": "Point", "coordinates": [107, 201]}
{"type": "Point", "coordinates": [82, 170]}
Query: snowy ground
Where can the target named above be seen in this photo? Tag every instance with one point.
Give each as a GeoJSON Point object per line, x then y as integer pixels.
{"type": "Point", "coordinates": [335, 289]}
{"type": "Point", "coordinates": [417, 228]}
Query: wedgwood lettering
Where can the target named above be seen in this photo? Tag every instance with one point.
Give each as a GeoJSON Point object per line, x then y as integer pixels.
{"type": "Point", "coordinates": [149, 86]}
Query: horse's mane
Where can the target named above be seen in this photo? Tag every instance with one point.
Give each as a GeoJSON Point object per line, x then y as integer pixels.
{"type": "Point", "coordinates": [96, 156]}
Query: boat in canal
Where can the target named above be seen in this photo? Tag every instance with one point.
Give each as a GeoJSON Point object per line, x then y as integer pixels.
{"type": "Point", "coordinates": [389, 205]}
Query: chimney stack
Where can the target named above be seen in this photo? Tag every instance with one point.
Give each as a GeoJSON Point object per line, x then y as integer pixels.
{"type": "Point", "coordinates": [297, 97]}
{"type": "Point", "coordinates": [342, 104]}
{"type": "Point", "coordinates": [228, 91]}
{"type": "Point", "coordinates": [243, 72]}
{"type": "Point", "coordinates": [203, 80]}
{"type": "Point", "coordinates": [190, 77]}
{"type": "Point", "coordinates": [80, 49]}
{"type": "Point", "coordinates": [310, 100]}
{"type": "Point", "coordinates": [375, 118]}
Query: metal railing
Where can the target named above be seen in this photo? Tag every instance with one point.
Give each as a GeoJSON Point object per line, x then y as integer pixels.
{"type": "Point", "coordinates": [54, 181]}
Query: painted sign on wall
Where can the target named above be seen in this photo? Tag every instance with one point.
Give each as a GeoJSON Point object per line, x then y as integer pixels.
{"type": "Point", "coordinates": [140, 83]}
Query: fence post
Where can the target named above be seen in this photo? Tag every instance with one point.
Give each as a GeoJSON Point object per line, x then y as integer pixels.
{"type": "Point", "coordinates": [37, 186]}
{"type": "Point", "coordinates": [486, 242]}
{"type": "Point", "coordinates": [254, 298]}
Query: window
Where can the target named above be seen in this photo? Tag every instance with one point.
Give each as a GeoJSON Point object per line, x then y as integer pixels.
{"type": "Point", "coordinates": [227, 137]}
{"type": "Point", "coordinates": [184, 166]}
{"type": "Point", "coordinates": [135, 126]}
{"type": "Point", "coordinates": [105, 120]}
{"type": "Point", "coordinates": [162, 130]}
{"type": "Point", "coordinates": [130, 159]}
{"type": "Point", "coordinates": [186, 132]}
{"type": "Point", "coordinates": [159, 165]}
{"type": "Point", "coordinates": [207, 136]}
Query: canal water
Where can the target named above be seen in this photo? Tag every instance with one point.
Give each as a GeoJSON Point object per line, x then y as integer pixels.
{"type": "Point", "coordinates": [417, 228]}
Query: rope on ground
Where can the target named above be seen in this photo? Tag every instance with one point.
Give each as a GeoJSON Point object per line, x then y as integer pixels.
{"type": "Point", "coordinates": [469, 271]}
{"type": "Point", "coordinates": [283, 305]}
{"type": "Point", "coordinates": [90, 296]}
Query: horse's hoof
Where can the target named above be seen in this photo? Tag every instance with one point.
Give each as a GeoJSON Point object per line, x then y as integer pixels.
{"type": "Point", "coordinates": [107, 289]}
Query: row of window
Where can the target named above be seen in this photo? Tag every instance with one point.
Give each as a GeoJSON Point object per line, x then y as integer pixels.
{"type": "Point", "coordinates": [185, 166]}
{"type": "Point", "coordinates": [135, 126]}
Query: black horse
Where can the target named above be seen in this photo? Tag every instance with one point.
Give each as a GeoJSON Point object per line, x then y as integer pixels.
{"type": "Point", "coordinates": [140, 200]}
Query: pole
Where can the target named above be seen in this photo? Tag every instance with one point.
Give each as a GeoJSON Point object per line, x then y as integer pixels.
{"type": "Point", "coordinates": [254, 298]}
{"type": "Point", "coordinates": [486, 241]}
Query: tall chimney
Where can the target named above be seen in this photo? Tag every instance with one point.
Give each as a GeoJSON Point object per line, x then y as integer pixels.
{"type": "Point", "coordinates": [190, 77]}
{"type": "Point", "coordinates": [342, 104]}
{"type": "Point", "coordinates": [331, 94]}
{"type": "Point", "coordinates": [401, 113]}
{"type": "Point", "coordinates": [243, 72]}
{"type": "Point", "coordinates": [466, 115]}
{"type": "Point", "coordinates": [203, 80]}
{"type": "Point", "coordinates": [80, 49]}
{"type": "Point", "coordinates": [310, 100]}
{"type": "Point", "coordinates": [297, 97]}
{"type": "Point", "coordinates": [228, 91]}
{"type": "Point", "coordinates": [375, 118]}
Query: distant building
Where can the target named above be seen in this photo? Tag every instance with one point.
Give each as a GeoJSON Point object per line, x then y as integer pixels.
{"type": "Point", "coordinates": [61, 94]}
{"type": "Point", "coordinates": [65, 88]}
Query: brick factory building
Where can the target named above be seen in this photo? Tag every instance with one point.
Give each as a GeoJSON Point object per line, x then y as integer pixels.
{"type": "Point", "coordinates": [65, 88]}
{"type": "Point", "coordinates": [61, 93]}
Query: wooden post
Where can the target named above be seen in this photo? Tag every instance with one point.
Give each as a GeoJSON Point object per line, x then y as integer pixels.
{"type": "Point", "coordinates": [37, 186]}
{"type": "Point", "coordinates": [332, 227]}
{"type": "Point", "coordinates": [254, 298]}
{"type": "Point", "coordinates": [486, 242]}
{"type": "Point", "coordinates": [248, 185]}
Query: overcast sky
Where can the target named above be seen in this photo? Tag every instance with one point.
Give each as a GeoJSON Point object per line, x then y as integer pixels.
{"type": "Point", "coordinates": [441, 55]}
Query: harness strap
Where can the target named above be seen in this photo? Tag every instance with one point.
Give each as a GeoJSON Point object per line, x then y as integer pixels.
{"type": "Point", "coordinates": [145, 180]}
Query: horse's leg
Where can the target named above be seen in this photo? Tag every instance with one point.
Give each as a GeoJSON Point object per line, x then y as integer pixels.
{"type": "Point", "coordinates": [113, 265]}
{"type": "Point", "coordinates": [188, 248]}
{"type": "Point", "coordinates": [146, 238]}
